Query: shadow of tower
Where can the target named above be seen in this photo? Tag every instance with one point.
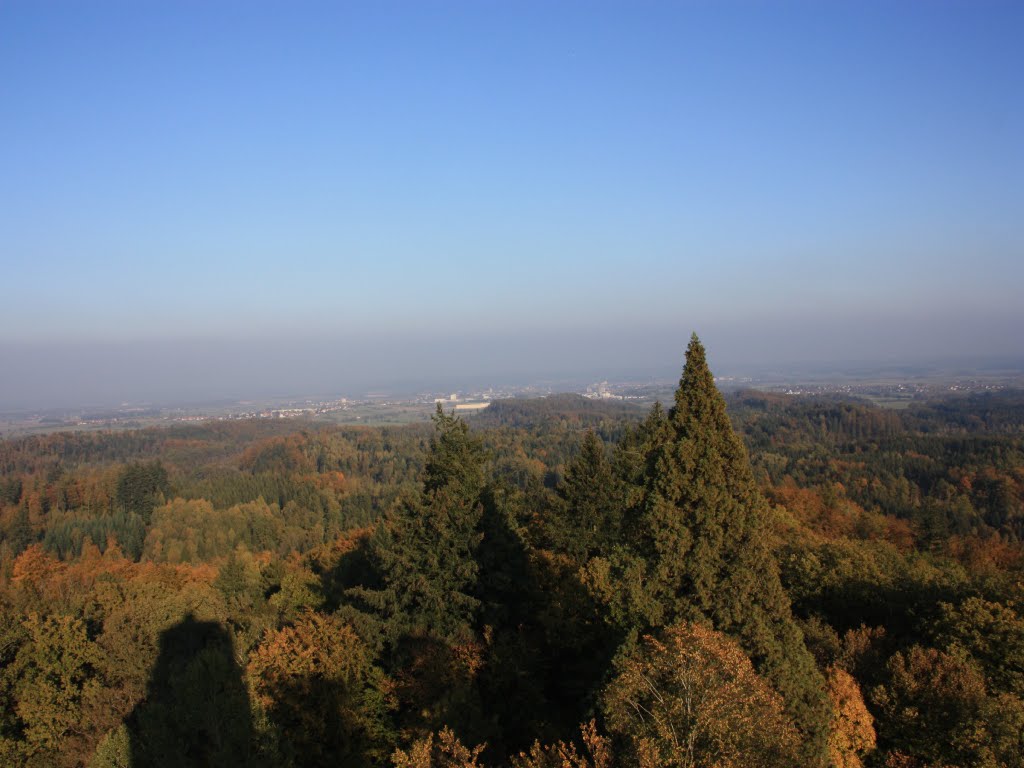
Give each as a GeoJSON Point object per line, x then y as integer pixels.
{"type": "Point", "coordinates": [196, 711]}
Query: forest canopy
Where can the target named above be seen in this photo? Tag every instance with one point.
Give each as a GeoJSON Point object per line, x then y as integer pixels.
{"type": "Point", "coordinates": [741, 581]}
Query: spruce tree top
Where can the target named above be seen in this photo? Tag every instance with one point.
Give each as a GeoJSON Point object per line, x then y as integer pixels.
{"type": "Point", "coordinates": [697, 397]}
{"type": "Point", "coordinates": [699, 417]}
{"type": "Point", "coordinates": [456, 459]}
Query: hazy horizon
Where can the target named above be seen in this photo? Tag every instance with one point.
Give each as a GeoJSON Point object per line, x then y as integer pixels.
{"type": "Point", "coordinates": [231, 200]}
{"type": "Point", "coordinates": [168, 371]}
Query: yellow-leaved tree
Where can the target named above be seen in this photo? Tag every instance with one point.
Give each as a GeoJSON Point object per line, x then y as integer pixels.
{"type": "Point", "coordinates": [690, 697]}
{"type": "Point", "coordinates": [853, 729]}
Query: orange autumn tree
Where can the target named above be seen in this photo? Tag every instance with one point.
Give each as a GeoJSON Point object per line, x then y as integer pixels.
{"type": "Point", "coordinates": [596, 752]}
{"type": "Point", "coordinates": [445, 751]}
{"type": "Point", "coordinates": [853, 730]}
{"type": "Point", "coordinates": [690, 697]}
{"type": "Point", "coordinates": [318, 685]}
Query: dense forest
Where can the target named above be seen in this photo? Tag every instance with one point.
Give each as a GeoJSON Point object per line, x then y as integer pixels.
{"type": "Point", "coordinates": [758, 580]}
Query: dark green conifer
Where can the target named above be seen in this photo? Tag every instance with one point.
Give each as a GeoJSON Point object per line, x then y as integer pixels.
{"type": "Point", "coordinates": [456, 461]}
{"type": "Point", "coordinates": [633, 463]}
{"type": "Point", "coordinates": [586, 516]}
{"type": "Point", "coordinates": [702, 526]}
{"type": "Point", "coordinates": [425, 551]}
{"type": "Point", "coordinates": [139, 487]}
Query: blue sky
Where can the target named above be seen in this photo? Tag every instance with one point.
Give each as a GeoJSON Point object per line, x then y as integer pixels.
{"type": "Point", "coordinates": [791, 179]}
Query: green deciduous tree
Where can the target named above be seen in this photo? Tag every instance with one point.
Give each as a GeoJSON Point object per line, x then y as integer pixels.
{"type": "Point", "coordinates": [935, 707]}
{"type": "Point", "coordinates": [993, 634]}
{"type": "Point", "coordinates": [56, 676]}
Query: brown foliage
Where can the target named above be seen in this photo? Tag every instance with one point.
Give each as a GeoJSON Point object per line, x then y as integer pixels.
{"type": "Point", "coordinates": [853, 731]}
{"type": "Point", "coordinates": [991, 555]}
{"type": "Point", "coordinates": [597, 752]}
{"type": "Point", "coordinates": [446, 751]}
{"type": "Point", "coordinates": [317, 682]}
{"type": "Point", "coordinates": [692, 698]}
{"type": "Point", "coordinates": [327, 557]}
{"type": "Point", "coordinates": [829, 514]}
{"type": "Point", "coordinates": [861, 650]}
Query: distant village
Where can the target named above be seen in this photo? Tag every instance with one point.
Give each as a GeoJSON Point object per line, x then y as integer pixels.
{"type": "Point", "coordinates": [383, 407]}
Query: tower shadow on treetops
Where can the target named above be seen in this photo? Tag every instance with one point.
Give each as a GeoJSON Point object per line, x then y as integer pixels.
{"type": "Point", "coordinates": [196, 711]}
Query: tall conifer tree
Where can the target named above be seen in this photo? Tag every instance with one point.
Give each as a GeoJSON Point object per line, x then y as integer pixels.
{"type": "Point", "coordinates": [426, 549]}
{"type": "Point", "coordinates": [702, 533]}
{"type": "Point", "coordinates": [586, 517]}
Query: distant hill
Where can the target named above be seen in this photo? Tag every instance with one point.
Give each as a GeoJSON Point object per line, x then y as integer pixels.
{"type": "Point", "coordinates": [575, 410]}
